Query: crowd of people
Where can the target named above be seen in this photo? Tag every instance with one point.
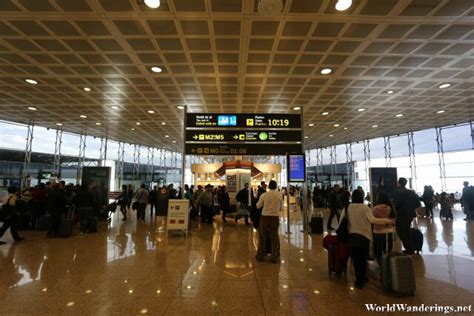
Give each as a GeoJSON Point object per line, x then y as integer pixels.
{"type": "Point", "coordinates": [389, 215]}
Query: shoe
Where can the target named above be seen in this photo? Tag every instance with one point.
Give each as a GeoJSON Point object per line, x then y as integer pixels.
{"type": "Point", "coordinates": [2, 242]}
{"type": "Point", "coordinates": [258, 258]}
{"type": "Point", "coordinates": [19, 239]}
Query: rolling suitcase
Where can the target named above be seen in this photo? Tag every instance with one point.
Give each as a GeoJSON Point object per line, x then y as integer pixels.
{"type": "Point", "coordinates": [65, 225]}
{"type": "Point", "coordinates": [44, 222]}
{"type": "Point", "coordinates": [402, 274]}
{"type": "Point", "coordinates": [416, 239]}
{"type": "Point", "coordinates": [316, 224]}
{"type": "Point", "coordinates": [338, 254]}
{"type": "Point", "coordinates": [385, 274]}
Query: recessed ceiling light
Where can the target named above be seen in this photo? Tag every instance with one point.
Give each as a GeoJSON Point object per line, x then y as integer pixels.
{"type": "Point", "coordinates": [167, 136]}
{"type": "Point", "coordinates": [375, 126]}
{"type": "Point", "coordinates": [399, 115]}
{"type": "Point", "coordinates": [174, 142]}
{"type": "Point", "coordinates": [445, 85]}
{"type": "Point", "coordinates": [331, 135]}
{"type": "Point", "coordinates": [59, 124]}
{"type": "Point", "coordinates": [83, 116]}
{"type": "Point", "coordinates": [114, 107]}
{"type": "Point", "coordinates": [156, 69]}
{"type": "Point", "coordinates": [296, 108]}
{"type": "Point", "coordinates": [151, 111]}
{"type": "Point", "coordinates": [336, 125]}
{"type": "Point", "coordinates": [32, 108]}
{"type": "Point", "coordinates": [345, 128]}
{"type": "Point", "coordinates": [360, 110]}
{"type": "Point", "coordinates": [31, 81]}
{"type": "Point", "coordinates": [181, 107]}
{"type": "Point", "coordinates": [87, 89]}
{"type": "Point", "coordinates": [153, 4]}
{"type": "Point", "coordinates": [343, 5]}
{"type": "Point", "coordinates": [98, 124]}
{"type": "Point", "coordinates": [325, 113]}
{"type": "Point", "coordinates": [132, 129]}
{"type": "Point", "coordinates": [138, 123]}
{"type": "Point", "coordinates": [306, 137]}
{"type": "Point", "coordinates": [311, 124]}
{"type": "Point", "coordinates": [326, 71]}
{"type": "Point", "coordinates": [440, 111]}
{"type": "Point", "coordinates": [390, 92]}
{"type": "Point", "coordinates": [163, 123]}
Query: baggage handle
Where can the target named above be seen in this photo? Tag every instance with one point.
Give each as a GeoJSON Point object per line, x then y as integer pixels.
{"type": "Point", "coordinates": [386, 241]}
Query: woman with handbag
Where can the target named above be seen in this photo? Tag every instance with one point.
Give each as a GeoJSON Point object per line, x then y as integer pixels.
{"type": "Point", "coordinates": [360, 218]}
{"type": "Point", "coordinates": [9, 216]}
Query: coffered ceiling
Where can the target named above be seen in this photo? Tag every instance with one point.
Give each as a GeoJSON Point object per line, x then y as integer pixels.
{"type": "Point", "coordinates": [388, 57]}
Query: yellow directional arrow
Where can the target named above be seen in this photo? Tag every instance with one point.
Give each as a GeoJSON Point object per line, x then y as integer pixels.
{"type": "Point", "coordinates": [236, 136]}
{"type": "Point", "coordinates": [195, 137]}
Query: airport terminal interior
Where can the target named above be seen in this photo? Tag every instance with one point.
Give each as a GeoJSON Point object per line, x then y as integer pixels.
{"type": "Point", "coordinates": [140, 141]}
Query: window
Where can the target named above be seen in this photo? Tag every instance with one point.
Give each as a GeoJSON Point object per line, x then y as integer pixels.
{"type": "Point", "coordinates": [70, 145]}
{"type": "Point", "coordinates": [44, 140]}
{"type": "Point", "coordinates": [13, 136]}
{"type": "Point", "coordinates": [457, 138]}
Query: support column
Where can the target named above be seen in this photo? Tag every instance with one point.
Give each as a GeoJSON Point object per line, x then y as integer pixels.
{"type": "Point", "coordinates": [120, 162]}
{"type": "Point", "coordinates": [103, 151]}
{"type": "Point", "coordinates": [367, 160]}
{"type": "Point", "coordinates": [349, 167]}
{"type": "Point", "coordinates": [81, 156]}
{"type": "Point", "coordinates": [388, 151]}
{"type": "Point", "coordinates": [411, 153]}
{"type": "Point", "coordinates": [319, 162]}
{"type": "Point", "coordinates": [150, 166]}
{"type": "Point", "coordinates": [136, 163]}
{"type": "Point", "coordinates": [57, 152]}
{"type": "Point", "coordinates": [333, 156]}
{"type": "Point", "coordinates": [28, 150]}
{"type": "Point", "coordinates": [442, 166]}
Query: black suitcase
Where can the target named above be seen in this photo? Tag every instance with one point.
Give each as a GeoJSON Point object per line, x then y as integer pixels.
{"type": "Point", "coordinates": [416, 239]}
{"type": "Point", "coordinates": [112, 207]}
{"type": "Point", "coordinates": [44, 222]}
{"type": "Point", "coordinates": [316, 225]}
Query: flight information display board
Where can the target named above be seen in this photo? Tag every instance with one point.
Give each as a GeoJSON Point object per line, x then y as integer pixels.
{"type": "Point", "coordinates": [241, 149]}
{"type": "Point", "coordinates": [296, 168]}
{"type": "Point", "coordinates": [216, 136]}
{"type": "Point", "coordinates": [243, 134]}
{"type": "Point", "coordinates": [243, 120]}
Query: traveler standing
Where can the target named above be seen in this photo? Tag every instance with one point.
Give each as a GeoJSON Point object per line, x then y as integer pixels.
{"type": "Point", "coordinates": [142, 199]}
{"type": "Point", "coordinates": [224, 202]}
{"type": "Point", "coordinates": [205, 202]}
{"type": "Point", "coordinates": [406, 202]}
{"type": "Point", "coordinates": [383, 209]}
{"type": "Point", "coordinates": [257, 212]}
{"type": "Point", "coordinates": [56, 208]}
{"type": "Point", "coordinates": [428, 200]}
{"type": "Point", "coordinates": [360, 233]}
{"type": "Point", "coordinates": [9, 216]}
{"type": "Point", "coordinates": [84, 203]}
{"type": "Point", "coordinates": [243, 197]}
{"type": "Point", "coordinates": [130, 195]}
{"type": "Point", "coordinates": [334, 205]}
{"type": "Point", "coordinates": [123, 201]}
{"type": "Point", "coordinates": [271, 203]}
{"type": "Point", "coordinates": [39, 199]}
{"type": "Point", "coordinates": [152, 199]}
{"type": "Point", "coordinates": [172, 194]}
{"type": "Point", "coordinates": [467, 201]}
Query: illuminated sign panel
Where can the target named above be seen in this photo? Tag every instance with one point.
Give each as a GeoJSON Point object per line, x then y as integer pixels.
{"type": "Point", "coordinates": [244, 120]}
{"type": "Point", "coordinates": [243, 134]}
{"type": "Point", "coordinates": [296, 168]}
{"type": "Point", "coordinates": [239, 136]}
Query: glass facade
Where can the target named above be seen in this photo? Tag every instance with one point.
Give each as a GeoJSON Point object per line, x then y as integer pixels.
{"type": "Point", "coordinates": [441, 157]}
{"type": "Point", "coordinates": [13, 141]}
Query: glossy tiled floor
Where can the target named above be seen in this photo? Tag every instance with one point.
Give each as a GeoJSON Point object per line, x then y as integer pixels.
{"type": "Point", "coordinates": [132, 268]}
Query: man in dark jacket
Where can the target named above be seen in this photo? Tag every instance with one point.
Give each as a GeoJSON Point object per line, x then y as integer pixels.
{"type": "Point", "coordinates": [84, 202]}
{"type": "Point", "coordinates": [334, 205]}
{"type": "Point", "coordinates": [257, 212]}
{"type": "Point", "coordinates": [56, 207]}
{"type": "Point", "coordinates": [224, 201]}
{"type": "Point", "coordinates": [243, 197]}
{"type": "Point", "coordinates": [153, 198]}
{"type": "Point", "coordinates": [406, 202]}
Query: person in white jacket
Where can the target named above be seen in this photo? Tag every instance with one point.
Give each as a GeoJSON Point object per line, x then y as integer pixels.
{"type": "Point", "coordinates": [360, 233]}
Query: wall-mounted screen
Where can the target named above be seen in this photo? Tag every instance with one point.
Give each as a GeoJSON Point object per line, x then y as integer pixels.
{"type": "Point", "coordinates": [296, 168]}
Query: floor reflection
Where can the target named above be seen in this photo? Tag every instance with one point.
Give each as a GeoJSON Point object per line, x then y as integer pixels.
{"type": "Point", "coordinates": [129, 267]}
